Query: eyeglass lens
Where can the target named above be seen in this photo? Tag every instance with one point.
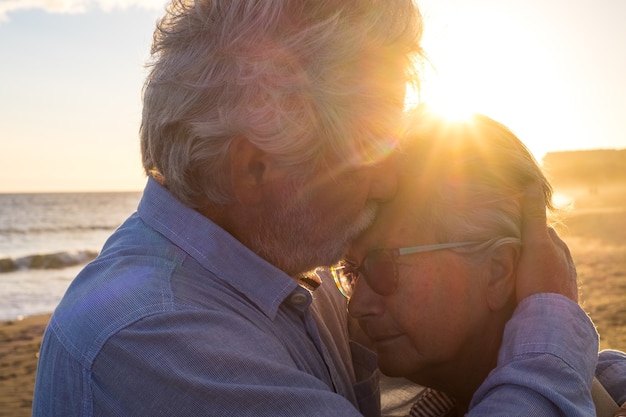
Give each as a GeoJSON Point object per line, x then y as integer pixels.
{"type": "Point", "coordinates": [378, 269]}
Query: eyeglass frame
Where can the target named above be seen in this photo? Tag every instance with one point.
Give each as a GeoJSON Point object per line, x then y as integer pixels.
{"type": "Point", "coordinates": [395, 253]}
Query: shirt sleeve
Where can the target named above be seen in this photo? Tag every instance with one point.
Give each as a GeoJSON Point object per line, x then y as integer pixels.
{"type": "Point", "coordinates": [611, 372]}
{"type": "Point", "coordinates": [545, 365]}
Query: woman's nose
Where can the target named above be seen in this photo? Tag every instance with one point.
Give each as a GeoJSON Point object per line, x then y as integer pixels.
{"type": "Point", "coordinates": [364, 301]}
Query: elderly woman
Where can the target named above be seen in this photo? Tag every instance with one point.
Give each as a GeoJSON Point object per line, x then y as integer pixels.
{"type": "Point", "coordinates": [439, 265]}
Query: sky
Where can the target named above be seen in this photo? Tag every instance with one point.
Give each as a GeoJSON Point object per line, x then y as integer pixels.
{"type": "Point", "coordinates": [71, 73]}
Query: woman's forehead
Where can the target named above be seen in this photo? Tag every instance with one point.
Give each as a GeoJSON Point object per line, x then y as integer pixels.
{"type": "Point", "coordinates": [397, 225]}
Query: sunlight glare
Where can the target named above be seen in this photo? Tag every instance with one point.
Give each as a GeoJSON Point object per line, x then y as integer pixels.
{"type": "Point", "coordinates": [444, 98]}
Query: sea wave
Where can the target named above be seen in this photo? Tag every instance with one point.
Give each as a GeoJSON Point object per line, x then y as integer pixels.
{"type": "Point", "coordinates": [56, 260]}
{"type": "Point", "coordinates": [8, 230]}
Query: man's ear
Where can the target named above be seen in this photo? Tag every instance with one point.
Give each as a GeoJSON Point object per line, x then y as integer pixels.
{"type": "Point", "coordinates": [502, 274]}
{"type": "Point", "coordinates": [248, 170]}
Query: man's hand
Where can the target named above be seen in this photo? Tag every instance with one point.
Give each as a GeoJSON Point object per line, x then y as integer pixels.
{"type": "Point", "coordinates": [621, 412]}
{"type": "Point", "coordinates": [546, 265]}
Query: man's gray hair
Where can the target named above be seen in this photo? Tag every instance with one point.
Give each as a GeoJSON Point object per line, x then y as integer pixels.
{"type": "Point", "coordinates": [299, 79]}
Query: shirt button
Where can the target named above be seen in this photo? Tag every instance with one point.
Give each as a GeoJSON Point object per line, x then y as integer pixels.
{"type": "Point", "coordinates": [298, 298]}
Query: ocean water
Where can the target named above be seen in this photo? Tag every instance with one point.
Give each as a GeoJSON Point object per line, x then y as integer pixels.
{"type": "Point", "coordinates": [46, 239]}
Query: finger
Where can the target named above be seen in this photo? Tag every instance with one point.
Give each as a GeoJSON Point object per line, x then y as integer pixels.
{"type": "Point", "coordinates": [556, 239]}
{"type": "Point", "coordinates": [533, 212]}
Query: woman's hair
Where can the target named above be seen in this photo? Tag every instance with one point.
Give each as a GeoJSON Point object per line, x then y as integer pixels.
{"type": "Point", "coordinates": [470, 176]}
{"type": "Point", "coordinates": [300, 79]}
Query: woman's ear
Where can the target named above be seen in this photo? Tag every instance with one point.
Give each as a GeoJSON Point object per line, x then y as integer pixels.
{"type": "Point", "coordinates": [248, 170]}
{"type": "Point", "coordinates": [502, 269]}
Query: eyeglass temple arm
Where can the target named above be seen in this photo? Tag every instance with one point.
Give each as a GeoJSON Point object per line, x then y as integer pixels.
{"type": "Point", "coordinates": [438, 246]}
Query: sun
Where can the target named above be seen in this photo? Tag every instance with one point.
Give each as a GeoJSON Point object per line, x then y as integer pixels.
{"type": "Point", "coordinates": [445, 98]}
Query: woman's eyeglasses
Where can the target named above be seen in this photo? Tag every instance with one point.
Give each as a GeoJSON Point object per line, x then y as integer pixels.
{"type": "Point", "coordinates": [379, 268]}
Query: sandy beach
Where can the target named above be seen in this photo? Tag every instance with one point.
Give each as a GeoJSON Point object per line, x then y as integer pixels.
{"type": "Point", "coordinates": [19, 347]}
{"type": "Point", "coordinates": [595, 230]}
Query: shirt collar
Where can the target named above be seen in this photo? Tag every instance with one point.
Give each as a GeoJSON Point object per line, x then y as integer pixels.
{"type": "Point", "coordinates": [215, 249]}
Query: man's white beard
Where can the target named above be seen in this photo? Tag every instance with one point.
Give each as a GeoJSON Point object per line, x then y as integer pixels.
{"type": "Point", "coordinates": [295, 239]}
